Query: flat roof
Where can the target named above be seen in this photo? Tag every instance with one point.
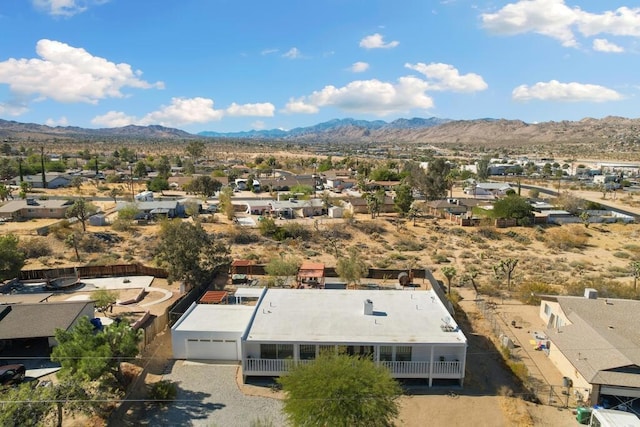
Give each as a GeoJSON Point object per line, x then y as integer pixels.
{"type": "Point", "coordinates": [215, 317]}
{"type": "Point", "coordinates": [249, 292]}
{"type": "Point", "coordinates": [317, 315]}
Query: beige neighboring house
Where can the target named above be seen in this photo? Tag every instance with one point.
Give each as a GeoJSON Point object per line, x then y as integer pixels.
{"type": "Point", "coordinates": [595, 344]}
{"type": "Point", "coordinates": [31, 208]}
{"type": "Point", "coordinates": [355, 204]}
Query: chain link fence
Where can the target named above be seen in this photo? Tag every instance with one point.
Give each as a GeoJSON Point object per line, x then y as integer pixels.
{"type": "Point", "coordinates": [538, 388]}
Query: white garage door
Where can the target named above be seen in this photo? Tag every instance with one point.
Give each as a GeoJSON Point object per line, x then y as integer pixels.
{"type": "Point", "coordinates": [212, 349]}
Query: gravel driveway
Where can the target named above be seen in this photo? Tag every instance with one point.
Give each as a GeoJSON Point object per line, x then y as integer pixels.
{"type": "Point", "coordinates": [209, 396]}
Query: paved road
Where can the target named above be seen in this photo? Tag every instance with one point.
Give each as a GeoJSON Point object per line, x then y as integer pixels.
{"type": "Point", "coordinates": [592, 196]}
{"type": "Point", "coordinates": [208, 395]}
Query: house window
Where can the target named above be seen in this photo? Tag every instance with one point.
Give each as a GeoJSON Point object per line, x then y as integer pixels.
{"type": "Point", "coordinates": [547, 309]}
{"type": "Point", "coordinates": [307, 352]}
{"type": "Point", "coordinates": [403, 354]}
{"type": "Point", "coordinates": [386, 353]}
{"type": "Point", "coordinates": [276, 351]}
{"type": "Point", "coordinates": [331, 349]}
{"type": "Point", "coordinates": [268, 351]}
{"type": "Point", "coordinates": [285, 351]}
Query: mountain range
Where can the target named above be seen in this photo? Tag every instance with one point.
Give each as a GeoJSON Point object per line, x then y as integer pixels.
{"type": "Point", "coordinates": [608, 130]}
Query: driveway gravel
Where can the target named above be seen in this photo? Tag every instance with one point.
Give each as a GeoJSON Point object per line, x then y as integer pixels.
{"type": "Point", "coordinates": [208, 395]}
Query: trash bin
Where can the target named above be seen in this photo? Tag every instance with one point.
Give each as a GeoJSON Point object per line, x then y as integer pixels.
{"type": "Point", "coordinates": [583, 415]}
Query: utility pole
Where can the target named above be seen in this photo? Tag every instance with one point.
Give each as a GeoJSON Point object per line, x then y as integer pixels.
{"type": "Point", "coordinates": [44, 177]}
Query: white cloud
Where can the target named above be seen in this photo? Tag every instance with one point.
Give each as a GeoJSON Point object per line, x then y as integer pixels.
{"type": "Point", "coordinates": [548, 17]}
{"type": "Point", "coordinates": [299, 106]}
{"type": "Point", "coordinates": [113, 119]}
{"type": "Point", "coordinates": [368, 97]}
{"type": "Point", "coordinates": [621, 22]}
{"type": "Point", "coordinates": [565, 92]}
{"type": "Point", "coordinates": [69, 74]}
{"type": "Point", "coordinates": [604, 45]}
{"type": "Point", "coordinates": [184, 111]}
{"type": "Point", "coordinates": [445, 77]}
{"type": "Point", "coordinates": [257, 110]}
{"type": "Point", "coordinates": [292, 53]}
{"type": "Point", "coordinates": [553, 18]}
{"type": "Point", "coordinates": [258, 125]}
{"type": "Point", "coordinates": [269, 51]}
{"type": "Point", "coordinates": [359, 67]}
{"type": "Point", "coordinates": [66, 7]}
{"type": "Point", "coordinates": [376, 41]}
{"type": "Point", "coordinates": [13, 108]}
{"type": "Point", "coordinates": [62, 121]}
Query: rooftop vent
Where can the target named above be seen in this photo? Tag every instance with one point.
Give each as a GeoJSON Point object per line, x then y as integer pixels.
{"type": "Point", "coordinates": [368, 307]}
{"type": "Point", "coordinates": [590, 293]}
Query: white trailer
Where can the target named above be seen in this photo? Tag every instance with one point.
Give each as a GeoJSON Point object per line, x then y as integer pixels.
{"type": "Point", "coordinates": [145, 196]}
{"type": "Point", "coordinates": [613, 418]}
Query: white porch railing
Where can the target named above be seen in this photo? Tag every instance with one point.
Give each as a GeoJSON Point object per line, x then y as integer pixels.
{"type": "Point", "coordinates": [446, 369]}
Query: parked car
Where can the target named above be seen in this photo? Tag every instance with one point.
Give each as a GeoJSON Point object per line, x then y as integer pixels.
{"type": "Point", "coordinates": [12, 374]}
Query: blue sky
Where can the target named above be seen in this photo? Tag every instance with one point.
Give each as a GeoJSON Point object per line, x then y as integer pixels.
{"type": "Point", "coordinates": [233, 65]}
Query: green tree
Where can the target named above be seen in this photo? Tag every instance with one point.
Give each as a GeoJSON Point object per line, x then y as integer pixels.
{"type": "Point", "coordinates": [189, 253]}
{"type": "Point", "coordinates": [88, 355]}
{"type": "Point", "coordinates": [352, 268]}
{"type": "Point", "coordinates": [432, 183]}
{"type": "Point", "coordinates": [25, 406]}
{"type": "Point", "coordinates": [4, 192]}
{"type": "Point", "coordinates": [403, 199]}
{"type": "Point", "coordinates": [114, 193]}
{"type": "Point", "coordinates": [203, 185]}
{"type": "Point", "coordinates": [282, 267]}
{"type": "Point", "coordinates": [81, 210]}
{"type": "Point", "coordinates": [513, 206]}
{"type": "Point", "coordinates": [163, 167]}
{"type": "Point", "coordinates": [225, 204]}
{"type": "Point", "coordinates": [482, 168]}
{"type": "Point", "coordinates": [195, 149]}
{"type": "Point", "coordinates": [340, 390]}
{"type": "Point", "coordinates": [104, 299]}
{"type": "Point", "coordinates": [76, 181]}
{"type": "Point", "coordinates": [140, 169]}
{"type": "Point", "coordinates": [11, 258]}
{"type": "Point", "coordinates": [158, 184]}
{"type": "Point", "coordinates": [449, 273]}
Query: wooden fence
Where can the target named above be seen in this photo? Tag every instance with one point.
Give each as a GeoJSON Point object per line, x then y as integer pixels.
{"type": "Point", "coordinates": [92, 271]}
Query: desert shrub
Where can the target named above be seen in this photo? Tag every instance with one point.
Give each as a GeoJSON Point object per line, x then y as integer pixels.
{"type": "Point", "coordinates": [476, 238]}
{"type": "Point", "coordinates": [397, 257]}
{"type": "Point", "coordinates": [408, 245]}
{"type": "Point", "coordinates": [382, 263]}
{"type": "Point", "coordinates": [34, 248]}
{"type": "Point", "coordinates": [466, 254]}
{"type": "Point", "coordinates": [622, 254]}
{"type": "Point", "coordinates": [529, 292]}
{"type": "Point", "coordinates": [632, 247]}
{"type": "Point", "coordinates": [458, 231]}
{"type": "Point", "coordinates": [518, 237]}
{"type": "Point", "coordinates": [489, 233]}
{"type": "Point", "coordinates": [433, 239]}
{"type": "Point", "coordinates": [295, 230]}
{"type": "Point", "coordinates": [243, 237]}
{"type": "Point", "coordinates": [519, 369]}
{"type": "Point", "coordinates": [370, 227]}
{"type": "Point", "coordinates": [566, 238]}
{"type": "Point", "coordinates": [439, 258]}
{"type": "Point", "coordinates": [60, 229]}
{"type": "Point", "coordinates": [90, 244]}
{"type": "Point", "coordinates": [121, 224]}
{"type": "Point", "coordinates": [163, 392]}
{"type": "Point", "coordinates": [106, 259]}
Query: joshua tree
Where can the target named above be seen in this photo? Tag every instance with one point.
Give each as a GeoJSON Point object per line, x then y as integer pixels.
{"type": "Point", "coordinates": [506, 267]}
{"type": "Point", "coordinates": [635, 272]}
{"type": "Point", "coordinates": [449, 273]}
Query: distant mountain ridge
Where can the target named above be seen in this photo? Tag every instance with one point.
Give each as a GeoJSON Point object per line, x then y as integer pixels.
{"type": "Point", "coordinates": [611, 133]}
{"type": "Point", "coordinates": [330, 127]}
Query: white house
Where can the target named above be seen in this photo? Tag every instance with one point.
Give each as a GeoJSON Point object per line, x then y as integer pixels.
{"type": "Point", "coordinates": [596, 343]}
{"type": "Point", "coordinates": [408, 331]}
